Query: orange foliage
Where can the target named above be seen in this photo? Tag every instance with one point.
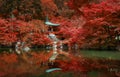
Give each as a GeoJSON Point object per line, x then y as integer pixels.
{"type": "Point", "coordinates": [13, 30]}
{"type": "Point", "coordinates": [11, 63]}
{"type": "Point", "coordinates": [48, 7]}
{"type": "Point", "coordinates": [40, 57]}
{"type": "Point", "coordinates": [9, 58]}
{"type": "Point", "coordinates": [74, 63]}
{"type": "Point", "coordinates": [79, 64]}
{"type": "Point", "coordinates": [39, 25]}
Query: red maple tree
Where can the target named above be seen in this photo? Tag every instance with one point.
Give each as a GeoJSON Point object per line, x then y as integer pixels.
{"type": "Point", "coordinates": [102, 22]}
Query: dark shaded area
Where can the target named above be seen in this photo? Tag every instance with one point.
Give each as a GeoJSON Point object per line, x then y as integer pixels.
{"type": "Point", "coordinates": [28, 8]}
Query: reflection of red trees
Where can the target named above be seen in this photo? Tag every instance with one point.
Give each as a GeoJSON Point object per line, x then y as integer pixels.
{"type": "Point", "coordinates": [14, 65]}
{"type": "Point", "coordinates": [79, 64]}
{"type": "Point", "coordinates": [40, 58]}
{"type": "Point", "coordinates": [37, 62]}
{"type": "Point", "coordinates": [6, 60]}
{"type": "Point", "coordinates": [9, 58]}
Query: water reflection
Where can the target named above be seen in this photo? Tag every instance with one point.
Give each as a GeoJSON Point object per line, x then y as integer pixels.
{"type": "Point", "coordinates": [110, 67]}
{"type": "Point", "coordinates": [96, 63]}
{"type": "Point", "coordinates": [105, 63]}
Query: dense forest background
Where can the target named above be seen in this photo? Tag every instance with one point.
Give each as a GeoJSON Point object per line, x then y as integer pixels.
{"type": "Point", "coordinates": [89, 24]}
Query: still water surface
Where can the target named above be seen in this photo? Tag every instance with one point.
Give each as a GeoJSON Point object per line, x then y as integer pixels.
{"type": "Point", "coordinates": [111, 72]}
{"type": "Point", "coordinates": [91, 54]}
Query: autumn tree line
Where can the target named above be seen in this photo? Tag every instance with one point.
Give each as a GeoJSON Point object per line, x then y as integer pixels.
{"type": "Point", "coordinates": [86, 24]}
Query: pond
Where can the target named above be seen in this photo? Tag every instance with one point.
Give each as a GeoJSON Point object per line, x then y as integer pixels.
{"type": "Point", "coordinates": [105, 54]}
{"type": "Point", "coordinates": [95, 64]}
{"type": "Point", "coordinates": [111, 58]}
